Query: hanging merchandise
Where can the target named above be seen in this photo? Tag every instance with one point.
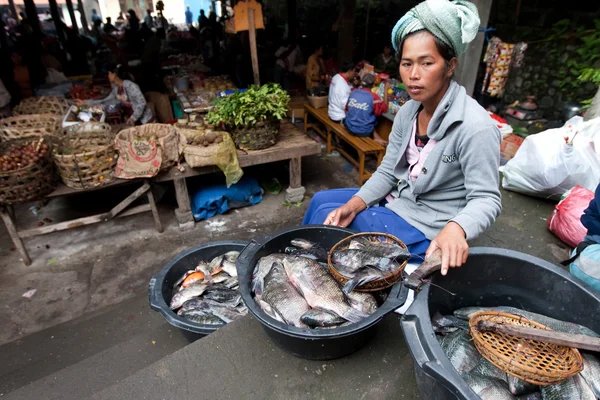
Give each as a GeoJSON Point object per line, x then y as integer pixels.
{"type": "Point", "coordinates": [500, 70]}
{"type": "Point", "coordinates": [490, 57]}
{"type": "Point", "coordinates": [499, 58]}
{"type": "Point", "coordinates": [519, 54]}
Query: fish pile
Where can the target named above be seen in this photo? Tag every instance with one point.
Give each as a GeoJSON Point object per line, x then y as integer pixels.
{"type": "Point", "coordinates": [209, 294]}
{"type": "Point", "coordinates": [296, 288]}
{"type": "Point", "coordinates": [491, 383]}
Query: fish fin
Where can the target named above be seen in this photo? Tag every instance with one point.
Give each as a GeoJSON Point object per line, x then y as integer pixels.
{"type": "Point", "coordinates": [362, 277]}
{"type": "Point", "coordinates": [354, 315]}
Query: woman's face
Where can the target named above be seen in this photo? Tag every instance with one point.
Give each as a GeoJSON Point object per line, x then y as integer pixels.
{"type": "Point", "coordinates": [112, 77]}
{"type": "Point", "coordinates": [422, 68]}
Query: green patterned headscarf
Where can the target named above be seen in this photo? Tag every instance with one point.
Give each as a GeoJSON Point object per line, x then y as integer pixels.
{"type": "Point", "coordinates": [455, 23]}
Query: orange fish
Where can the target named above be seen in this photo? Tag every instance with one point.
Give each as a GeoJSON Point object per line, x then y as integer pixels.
{"type": "Point", "coordinates": [191, 278]}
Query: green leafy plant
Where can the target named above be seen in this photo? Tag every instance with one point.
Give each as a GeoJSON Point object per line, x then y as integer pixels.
{"type": "Point", "coordinates": [255, 105]}
{"type": "Point", "coordinates": [589, 75]}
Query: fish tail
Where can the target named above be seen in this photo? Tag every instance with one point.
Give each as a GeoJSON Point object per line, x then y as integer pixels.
{"type": "Point", "coordinates": [359, 279]}
{"type": "Point", "coordinates": [353, 315]}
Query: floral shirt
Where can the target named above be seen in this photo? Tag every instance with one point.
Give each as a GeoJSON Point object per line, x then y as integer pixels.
{"type": "Point", "coordinates": [132, 95]}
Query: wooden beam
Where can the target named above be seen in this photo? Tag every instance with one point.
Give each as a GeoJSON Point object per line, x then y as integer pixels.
{"type": "Point", "coordinates": [295, 172]}
{"type": "Point", "coordinates": [14, 235]}
{"type": "Point", "coordinates": [84, 22]}
{"type": "Point", "coordinates": [56, 19]}
{"type": "Point", "coordinates": [72, 14]}
{"type": "Point", "coordinates": [130, 199]}
{"type": "Point", "coordinates": [13, 9]}
{"type": "Point", "coordinates": [32, 17]}
{"type": "Point", "coordinates": [152, 203]}
{"type": "Point", "coordinates": [253, 49]}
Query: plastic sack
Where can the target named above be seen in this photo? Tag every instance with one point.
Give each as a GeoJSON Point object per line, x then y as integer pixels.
{"type": "Point", "coordinates": [565, 221]}
{"type": "Point", "coordinates": [587, 266]}
{"type": "Point", "coordinates": [218, 199]}
{"type": "Point", "coordinates": [546, 166]}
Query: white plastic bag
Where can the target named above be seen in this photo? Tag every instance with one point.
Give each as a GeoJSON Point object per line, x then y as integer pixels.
{"type": "Point", "coordinates": [546, 166]}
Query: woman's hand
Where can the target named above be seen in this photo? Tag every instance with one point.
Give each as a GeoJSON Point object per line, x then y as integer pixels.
{"type": "Point", "coordinates": [80, 103]}
{"type": "Point", "coordinates": [344, 215]}
{"type": "Point", "coordinates": [453, 244]}
{"type": "Point", "coordinates": [131, 122]}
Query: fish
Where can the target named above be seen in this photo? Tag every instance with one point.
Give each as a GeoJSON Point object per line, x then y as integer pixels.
{"type": "Point", "coordinates": [567, 389]}
{"type": "Point", "coordinates": [191, 304]}
{"type": "Point", "coordinates": [203, 267]}
{"type": "Point", "coordinates": [447, 323]}
{"type": "Point", "coordinates": [381, 249]}
{"type": "Point", "coordinates": [352, 260]}
{"type": "Point", "coordinates": [283, 297]}
{"type": "Point", "coordinates": [194, 290]}
{"type": "Point", "coordinates": [319, 318]}
{"type": "Point", "coordinates": [191, 278]}
{"type": "Point", "coordinates": [531, 396]}
{"type": "Point", "coordinates": [319, 288]}
{"type": "Point", "coordinates": [361, 277]}
{"type": "Point", "coordinates": [461, 352]}
{"type": "Point", "coordinates": [304, 244]}
{"type": "Point", "coordinates": [202, 318]}
{"type": "Point", "coordinates": [220, 294]}
{"type": "Point", "coordinates": [229, 268]}
{"type": "Point", "coordinates": [262, 268]}
{"type": "Point", "coordinates": [219, 278]}
{"type": "Point", "coordinates": [488, 388]}
{"type": "Point", "coordinates": [585, 389]}
{"type": "Point", "coordinates": [591, 371]}
{"type": "Point", "coordinates": [270, 311]}
{"type": "Point", "coordinates": [555, 324]}
{"type": "Point", "coordinates": [518, 386]}
{"type": "Point", "coordinates": [347, 323]}
{"type": "Point", "coordinates": [225, 313]}
{"type": "Point", "coordinates": [231, 282]}
{"type": "Point", "coordinates": [487, 369]}
{"type": "Point", "coordinates": [231, 256]}
{"type": "Point", "coordinates": [215, 264]}
{"type": "Point", "coordinates": [180, 280]}
{"type": "Point", "coordinates": [362, 301]}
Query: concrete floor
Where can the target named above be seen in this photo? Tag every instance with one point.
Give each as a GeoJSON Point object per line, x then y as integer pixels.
{"type": "Point", "coordinates": [88, 325]}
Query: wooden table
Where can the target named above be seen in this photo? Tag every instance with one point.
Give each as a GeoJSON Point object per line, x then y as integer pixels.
{"type": "Point", "coordinates": [292, 145]}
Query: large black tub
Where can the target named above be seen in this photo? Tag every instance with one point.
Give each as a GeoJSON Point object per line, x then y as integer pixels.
{"type": "Point", "coordinates": [308, 343]}
{"type": "Point", "coordinates": [491, 277]}
{"type": "Point", "coordinates": [161, 285]}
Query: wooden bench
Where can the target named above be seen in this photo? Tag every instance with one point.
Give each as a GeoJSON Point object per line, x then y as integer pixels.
{"type": "Point", "coordinates": [326, 128]}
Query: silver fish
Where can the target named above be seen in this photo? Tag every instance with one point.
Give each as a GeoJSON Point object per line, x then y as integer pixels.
{"type": "Point", "coordinates": [351, 260]}
{"type": "Point", "coordinates": [585, 390]}
{"type": "Point", "coordinates": [262, 269]}
{"type": "Point", "coordinates": [220, 294]}
{"type": "Point", "coordinates": [555, 324]}
{"type": "Point", "coordinates": [219, 278]}
{"type": "Point", "coordinates": [270, 311]}
{"type": "Point", "coordinates": [447, 323]}
{"type": "Point", "coordinates": [229, 268]}
{"type": "Point", "coordinates": [194, 290]}
{"type": "Point", "coordinates": [202, 318]}
{"type": "Point", "coordinates": [567, 389]}
{"type": "Point", "coordinates": [319, 318]}
{"type": "Point", "coordinates": [461, 352]}
{"type": "Point", "coordinates": [231, 282]}
{"type": "Point", "coordinates": [487, 369]}
{"type": "Point", "coordinates": [488, 388]}
{"type": "Point", "coordinates": [531, 396]}
{"type": "Point", "coordinates": [227, 314]}
{"type": "Point", "coordinates": [362, 301]}
{"type": "Point", "coordinates": [303, 243]}
{"type": "Point", "coordinates": [380, 249]}
{"type": "Point", "coordinates": [231, 256]}
{"type": "Point", "coordinates": [319, 288]}
{"type": "Point", "coordinates": [591, 371]}
{"type": "Point", "coordinates": [191, 304]}
{"type": "Point", "coordinates": [215, 263]}
{"type": "Point", "coordinates": [518, 386]}
{"type": "Point", "coordinates": [282, 296]}
{"type": "Point", "coordinates": [203, 267]}
{"type": "Point", "coordinates": [361, 277]}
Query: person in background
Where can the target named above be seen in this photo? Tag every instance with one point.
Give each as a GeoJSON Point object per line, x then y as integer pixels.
{"type": "Point", "coordinates": [21, 75]}
{"type": "Point", "coordinates": [189, 17]}
{"type": "Point", "coordinates": [339, 91]}
{"type": "Point", "coordinates": [202, 20]}
{"type": "Point", "coordinates": [386, 62]}
{"type": "Point", "coordinates": [108, 27]}
{"type": "Point", "coordinates": [148, 20]}
{"type": "Point", "coordinates": [363, 108]}
{"type": "Point", "coordinates": [95, 17]}
{"type": "Point", "coordinates": [127, 93]}
{"type": "Point", "coordinates": [314, 68]}
{"type": "Point", "coordinates": [288, 58]}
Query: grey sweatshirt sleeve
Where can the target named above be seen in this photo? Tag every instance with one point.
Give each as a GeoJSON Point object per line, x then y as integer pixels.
{"type": "Point", "coordinates": [383, 180]}
{"type": "Point", "coordinates": [136, 98]}
{"type": "Point", "coordinates": [479, 160]}
{"type": "Point", "coordinates": [112, 96]}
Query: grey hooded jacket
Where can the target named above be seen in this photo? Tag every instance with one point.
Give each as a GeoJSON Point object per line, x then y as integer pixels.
{"type": "Point", "coordinates": [459, 180]}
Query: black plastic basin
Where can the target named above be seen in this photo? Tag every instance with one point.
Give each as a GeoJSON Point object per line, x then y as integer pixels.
{"type": "Point", "coordinates": [491, 277]}
{"type": "Point", "coordinates": [161, 285]}
{"type": "Point", "coordinates": [304, 342]}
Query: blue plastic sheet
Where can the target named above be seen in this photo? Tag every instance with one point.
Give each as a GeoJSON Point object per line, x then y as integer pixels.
{"type": "Point", "coordinates": [218, 199]}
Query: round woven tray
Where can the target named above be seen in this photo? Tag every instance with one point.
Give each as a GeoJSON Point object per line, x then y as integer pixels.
{"type": "Point", "coordinates": [42, 105]}
{"type": "Point", "coordinates": [29, 125]}
{"type": "Point", "coordinates": [29, 183]}
{"type": "Point", "coordinates": [383, 283]}
{"type": "Point", "coordinates": [85, 155]}
{"type": "Point", "coordinates": [533, 361]}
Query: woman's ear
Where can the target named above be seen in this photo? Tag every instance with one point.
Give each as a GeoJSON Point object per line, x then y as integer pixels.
{"type": "Point", "coordinates": [452, 64]}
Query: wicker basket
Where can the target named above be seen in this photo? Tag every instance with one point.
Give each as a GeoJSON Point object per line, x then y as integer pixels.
{"type": "Point", "coordinates": [29, 125]}
{"type": "Point", "coordinates": [261, 136]}
{"type": "Point", "coordinates": [42, 105]}
{"type": "Point", "coordinates": [29, 183]}
{"type": "Point", "coordinates": [318, 101]}
{"type": "Point", "coordinates": [380, 284]}
{"type": "Point", "coordinates": [533, 361]}
{"type": "Point", "coordinates": [85, 155]}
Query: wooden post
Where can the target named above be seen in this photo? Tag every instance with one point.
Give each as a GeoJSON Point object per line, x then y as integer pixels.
{"type": "Point", "coordinates": [346, 30]}
{"type": "Point", "coordinates": [14, 235]}
{"type": "Point", "coordinates": [152, 202]}
{"type": "Point", "coordinates": [56, 19]}
{"type": "Point", "coordinates": [295, 172]}
{"type": "Point", "coordinates": [13, 9]}
{"type": "Point", "coordinates": [253, 50]}
{"type": "Point", "coordinates": [32, 17]}
{"type": "Point", "coordinates": [84, 22]}
{"type": "Point", "coordinates": [183, 213]}
{"type": "Point", "coordinates": [72, 14]}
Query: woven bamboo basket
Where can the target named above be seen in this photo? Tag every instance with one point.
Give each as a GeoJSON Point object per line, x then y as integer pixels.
{"type": "Point", "coordinates": [380, 284]}
{"type": "Point", "coordinates": [261, 136]}
{"type": "Point", "coordinates": [28, 183]}
{"type": "Point", "coordinates": [42, 105]}
{"type": "Point", "coordinates": [85, 155]}
{"type": "Point", "coordinates": [533, 361]}
{"type": "Point", "coordinates": [29, 125]}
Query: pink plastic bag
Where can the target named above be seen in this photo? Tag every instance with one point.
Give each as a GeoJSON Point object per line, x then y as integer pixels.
{"type": "Point", "coordinates": [565, 220]}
